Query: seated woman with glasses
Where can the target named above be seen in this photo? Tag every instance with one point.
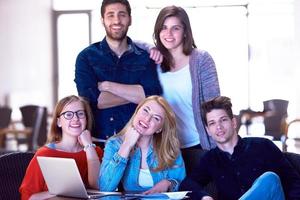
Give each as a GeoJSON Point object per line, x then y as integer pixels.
{"type": "Point", "coordinates": [69, 137]}
{"type": "Point", "coordinates": [145, 155]}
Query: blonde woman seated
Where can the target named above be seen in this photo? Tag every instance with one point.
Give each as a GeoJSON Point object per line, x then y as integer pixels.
{"type": "Point", "coordinates": [145, 155]}
{"type": "Point", "coordinates": [69, 137]}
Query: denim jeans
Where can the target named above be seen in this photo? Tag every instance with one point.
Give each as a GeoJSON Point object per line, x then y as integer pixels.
{"type": "Point", "coordinates": [267, 187]}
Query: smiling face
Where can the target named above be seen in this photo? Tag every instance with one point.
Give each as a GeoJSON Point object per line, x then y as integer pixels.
{"type": "Point", "coordinates": [149, 118]}
{"type": "Point", "coordinates": [221, 127]}
{"type": "Point", "coordinates": [171, 34]}
{"type": "Point", "coordinates": [116, 21]}
{"type": "Point", "coordinates": [75, 125]}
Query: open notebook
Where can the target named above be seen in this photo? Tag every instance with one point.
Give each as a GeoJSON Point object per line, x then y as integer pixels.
{"type": "Point", "coordinates": [63, 178]}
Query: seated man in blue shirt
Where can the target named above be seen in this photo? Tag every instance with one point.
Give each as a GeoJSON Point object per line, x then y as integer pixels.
{"type": "Point", "coordinates": [242, 168]}
{"type": "Point", "coordinates": [115, 74]}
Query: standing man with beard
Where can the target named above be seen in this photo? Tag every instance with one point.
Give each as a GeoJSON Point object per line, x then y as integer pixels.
{"type": "Point", "coordinates": [115, 74]}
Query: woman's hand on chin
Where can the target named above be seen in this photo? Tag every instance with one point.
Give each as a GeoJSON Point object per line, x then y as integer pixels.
{"type": "Point", "coordinates": [85, 138]}
{"type": "Point", "coordinates": [131, 137]}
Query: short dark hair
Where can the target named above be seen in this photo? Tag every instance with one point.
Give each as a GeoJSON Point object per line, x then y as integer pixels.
{"type": "Point", "coordinates": [108, 2]}
{"type": "Point", "coordinates": [220, 102]}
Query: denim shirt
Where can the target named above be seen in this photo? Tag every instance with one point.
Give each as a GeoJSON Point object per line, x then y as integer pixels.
{"type": "Point", "coordinates": [115, 168]}
{"type": "Point", "coordinates": [98, 63]}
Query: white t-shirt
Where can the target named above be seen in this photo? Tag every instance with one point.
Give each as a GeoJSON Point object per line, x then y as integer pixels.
{"type": "Point", "coordinates": [177, 90]}
{"type": "Point", "coordinates": [145, 178]}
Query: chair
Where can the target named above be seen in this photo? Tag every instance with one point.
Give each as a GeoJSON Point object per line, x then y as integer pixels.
{"type": "Point", "coordinates": [294, 160]}
{"type": "Point", "coordinates": [191, 159]}
{"type": "Point", "coordinates": [293, 129]}
{"type": "Point", "coordinates": [292, 132]}
{"type": "Point", "coordinates": [275, 122]}
{"type": "Point", "coordinates": [239, 121]}
{"type": "Point", "coordinates": [34, 117]}
{"type": "Point", "coordinates": [5, 117]}
{"type": "Point", "coordinates": [12, 170]}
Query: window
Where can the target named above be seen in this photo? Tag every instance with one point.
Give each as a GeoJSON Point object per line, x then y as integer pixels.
{"type": "Point", "coordinates": [253, 44]}
{"type": "Point", "coordinates": [73, 34]}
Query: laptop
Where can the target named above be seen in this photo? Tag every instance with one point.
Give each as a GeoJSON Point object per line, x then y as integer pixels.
{"type": "Point", "coordinates": [63, 179]}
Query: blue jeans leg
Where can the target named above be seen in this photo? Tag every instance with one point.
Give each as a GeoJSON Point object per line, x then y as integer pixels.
{"type": "Point", "coordinates": [267, 187]}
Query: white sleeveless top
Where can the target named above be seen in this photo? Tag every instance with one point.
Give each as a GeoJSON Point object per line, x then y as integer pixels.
{"type": "Point", "coordinates": [177, 90]}
{"type": "Point", "coordinates": [145, 178]}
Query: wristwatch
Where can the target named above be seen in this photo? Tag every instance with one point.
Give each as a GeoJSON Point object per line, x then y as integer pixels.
{"type": "Point", "coordinates": [88, 146]}
{"type": "Point", "coordinates": [173, 185]}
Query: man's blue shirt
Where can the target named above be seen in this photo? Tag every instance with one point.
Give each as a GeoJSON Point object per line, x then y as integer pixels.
{"type": "Point", "coordinates": [98, 63]}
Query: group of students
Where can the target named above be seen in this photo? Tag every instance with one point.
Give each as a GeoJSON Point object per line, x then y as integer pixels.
{"type": "Point", "coordinates": [151, 116]}
{"type": "Point", "coordinates": [145, 155]}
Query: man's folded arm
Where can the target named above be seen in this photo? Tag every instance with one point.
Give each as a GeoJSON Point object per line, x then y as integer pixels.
{"type": "Point", "coordinates": [115, 94]}
{"type": "Point", "coordinates": [109, 100]}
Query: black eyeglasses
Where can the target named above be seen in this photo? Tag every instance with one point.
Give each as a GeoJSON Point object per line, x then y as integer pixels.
{"type": "Point", "coordinates": [70, 114]}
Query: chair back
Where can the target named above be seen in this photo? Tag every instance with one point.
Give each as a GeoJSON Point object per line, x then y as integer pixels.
{"type": "Point", "coordinates": [238, 121]}
{"type": "Point", "coordinates": [275, 123]}
{"type": "Point", "coordinates": [5, 116]}
{"type": "Point", "coordinates": [12, 170]}
{"type": "Point", "coordinates": [293, 129]}
{"type": "Point", "coordinates": [35, 117]}
{"type": "Point", "coordinates": [191, 159]}
{"type": "Point", "coordinates": [294, 160]}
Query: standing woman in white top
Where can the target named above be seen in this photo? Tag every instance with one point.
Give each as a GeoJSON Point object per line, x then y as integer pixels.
{"type": "Point", "coordinates": [188, 76]}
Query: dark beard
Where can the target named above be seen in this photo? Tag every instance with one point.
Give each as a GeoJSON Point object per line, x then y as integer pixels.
{"type": "Point", "coordinates": [118, 37]}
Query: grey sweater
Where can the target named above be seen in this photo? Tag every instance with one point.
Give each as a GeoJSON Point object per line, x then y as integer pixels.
{"type": "Point", "coordinates": [205, 86]}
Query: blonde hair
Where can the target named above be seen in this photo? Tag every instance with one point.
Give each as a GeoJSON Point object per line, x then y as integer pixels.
{"type": "Point", "coordinates": [165, 143]}
{"type": "Point", "coordinates": [55, 134]}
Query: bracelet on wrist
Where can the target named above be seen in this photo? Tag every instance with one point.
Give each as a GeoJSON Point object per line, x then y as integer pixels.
{"type": "Point", "coordinates": [172, 186]}
{"type": "Point", "coordinates": [88, 146]}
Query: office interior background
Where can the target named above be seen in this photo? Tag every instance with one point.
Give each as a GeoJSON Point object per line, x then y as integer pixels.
{"type": "Point", "coordinates": [255, 44]}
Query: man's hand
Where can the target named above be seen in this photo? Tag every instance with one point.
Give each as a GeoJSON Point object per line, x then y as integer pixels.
{"type": "Point", "coordinates": [109, 100]}
{"type": "Point", "coordinates": [156, 55]}
{"type": "Point", "coordinates": [132, 93]}
{"type": "Point", "coordinates": [161, 186]}
{"type": "Point", "coordinates": [104, 86]}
